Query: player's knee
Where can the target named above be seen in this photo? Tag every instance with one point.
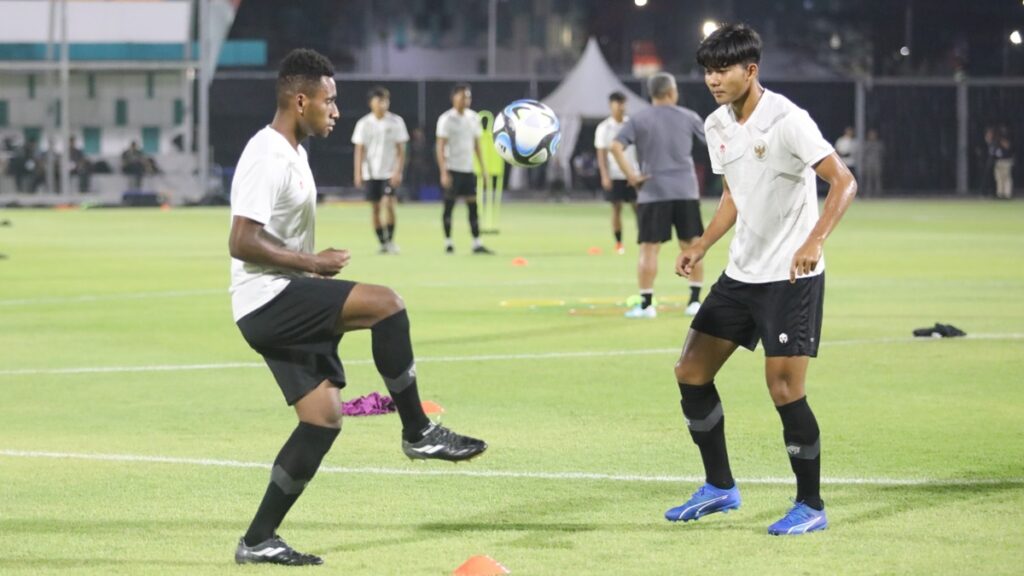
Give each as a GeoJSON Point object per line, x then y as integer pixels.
{"type": "Point", "coordinates": [688, 372]}
{"type": "Point", "coordinates": [781, 388]}
{"type": "Point", "coordinates": [391, 303]}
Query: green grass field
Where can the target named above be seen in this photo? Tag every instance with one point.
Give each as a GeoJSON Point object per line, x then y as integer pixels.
{"type": "Point", "coordinates": [117, 350]}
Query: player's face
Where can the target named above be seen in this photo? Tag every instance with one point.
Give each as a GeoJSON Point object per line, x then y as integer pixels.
{"type": "Point", "coordinates": [319, 111]}
{"type": "Point", "coordinates": [379, 105]}
{"type": "Point", "coordinates": [462, 99]}
{"type": "Point", "coordinates": [729, 84]}
{"type": "Point", "coordinates": [618, 108]}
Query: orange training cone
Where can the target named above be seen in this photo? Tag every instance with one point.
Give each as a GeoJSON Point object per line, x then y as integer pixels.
{"type": "Point", "coordinates": [520, 261]}
{"type": "Point", "coordinates": [593, 251]}
{"type": "Point", "coordinates": [431, 407]}
{"type": "Point", "coordinates": [481, 566]}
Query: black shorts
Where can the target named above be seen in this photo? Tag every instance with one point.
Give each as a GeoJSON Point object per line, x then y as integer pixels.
{"type": "Point", "coordinates": [295, 334]}
{"type": "Point", "coordinates": [655, 221]}
{"type": "Point", "coordinates": [463, 184]}
{"type": "Point", "coordinates": [377, 189]}
{"type": "Point", "coordinates": [785, 317]}
{"type": "Point", "coordinates": [621, 192]}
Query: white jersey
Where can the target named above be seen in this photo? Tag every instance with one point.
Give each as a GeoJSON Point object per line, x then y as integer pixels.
{"type": "Point", "coordinates": [274, 186]}
{"type": "Point", "coordinates": [605, 134]}
{"type": "Point", "coordinates": [768, 163]}
{"type": "Point", "coordinates": [461, 130]}
{"type": "Point", "coordinates": [380, 138]}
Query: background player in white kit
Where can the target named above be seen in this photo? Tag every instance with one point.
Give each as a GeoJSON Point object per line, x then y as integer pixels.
{"type": "Point", "coordinates": [458, 140]}
{"type": "Point", "coordinates": [769, 153]}
{"type": "Point", "coordinates": [613, 180]}
{"type": "Point", "coordinates": [379, 160]}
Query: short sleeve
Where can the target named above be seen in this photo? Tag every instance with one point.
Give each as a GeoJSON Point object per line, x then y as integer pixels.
{"type": "Point", "coordinates": [255, 191]}
{"type": "Point", "coordinates": [716, 166]}
{"type": "Point", "coordinates": [698, 127]}
{"type": "Point", "coordinates": [442, 126]}
{"type": "Point", "coordinates": [478, 128]}
{"type": "Point", "coordinates": [627, 135]}
{"type": "Point", "coordinates": [600, 136]}
{"type": "Point", "coordinates": [358, 136]}
{"type": "Point", "coordinates": [803, 138]}
{"type": "Point", "coordinates": [403, 133]}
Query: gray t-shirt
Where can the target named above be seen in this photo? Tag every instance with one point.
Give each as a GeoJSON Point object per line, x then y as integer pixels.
{"type": "Point", "coordinates": [663, 136]}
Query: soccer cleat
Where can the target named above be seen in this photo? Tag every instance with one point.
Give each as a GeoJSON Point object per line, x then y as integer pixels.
{"type": "Point", "coordinates": [706, 500]}
{"type": "Point", "coordinates": [800, 519]}
{"type": "Point", "coordinates": [692, 308]}
{"type": "Point", "coordinates": [392, 248]}
{"type": "Point", "coordinates": [449, 249]}
{"type": "Point", "coordinates": [273, 551]}
{"type": "Point", "coordinates": [640, 312]}
{"type": "Point", "coordinates": [440, 443]}
{"type": "Point", "coordinates": [619, 248]}
{"type": "Point", "coordinates": [383, 249]}
{"type": "Point", "coordinates": [481, 249]}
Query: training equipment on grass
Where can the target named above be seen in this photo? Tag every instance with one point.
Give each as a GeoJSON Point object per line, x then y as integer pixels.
{"type": "Point", "coordinates": [526, 133]}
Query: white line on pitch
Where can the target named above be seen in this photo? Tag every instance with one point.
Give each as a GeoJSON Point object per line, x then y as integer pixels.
{"type": "Point", "coordinates": [478, 358]}
{"type": "Point", "coordinates": [585, 476]}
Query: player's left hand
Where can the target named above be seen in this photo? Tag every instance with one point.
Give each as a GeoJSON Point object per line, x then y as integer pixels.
{"type": "Point", "coordinates": [395, 180]}
{"type": "Point", "coordinates": [636, 181]}
{"type": "Point", "coordinates": [805, 260]}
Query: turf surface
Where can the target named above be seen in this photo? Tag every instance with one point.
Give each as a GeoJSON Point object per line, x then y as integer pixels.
{"type": "Point", "coordinates": [535, 359]}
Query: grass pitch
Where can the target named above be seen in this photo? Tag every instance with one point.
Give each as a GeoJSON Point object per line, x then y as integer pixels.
{"type": "Point", "coordinates": [136, 427]}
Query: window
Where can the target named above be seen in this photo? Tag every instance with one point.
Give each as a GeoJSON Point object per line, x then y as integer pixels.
{"type": "Point", "coordinates": [121, 112]}
{"type": "Point", "coordinates": [4, 114]}
{"type": "Point", "coordinates": [91, 140]}
{"type": "Point", "coordinates": [179, 111]}
{"type": "Point", "coordinates": [32, 133]}
{"type": "Point", "coordinates": [90, 81]}
{"type": "Point", "coordinates": [151, 139]}
{"type": "Point", "coordinates": [150, 85]}
{"type": "Point", "coordinates": [31, 86]}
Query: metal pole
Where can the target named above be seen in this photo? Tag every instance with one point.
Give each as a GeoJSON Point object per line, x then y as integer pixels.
{"type": "Point", "coordinates": [860, 120]}
{"type": "Point", "coordinates": [205, 64]}
{"type": "Point", "coordinates": [421, 102]}
{"type": "Point", "coordinates": [65, 100]}
{"type": "Point", "coordinates": [962, 147]}
{"type": "Point", "coordinates": [50, 100]}
{"type": "Point", "coordinates": [492, 38]}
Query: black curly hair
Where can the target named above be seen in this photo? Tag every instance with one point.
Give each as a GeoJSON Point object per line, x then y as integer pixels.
{"type": "Point", "coordinates": [731, 44]}
{"type": "Point", "coordinates": [301, 71]}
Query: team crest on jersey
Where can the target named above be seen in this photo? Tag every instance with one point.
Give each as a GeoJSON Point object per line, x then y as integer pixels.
{"type": "Point", "coordinates": [760, 149]}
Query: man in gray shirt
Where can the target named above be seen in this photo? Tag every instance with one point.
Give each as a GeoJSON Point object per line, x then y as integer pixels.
{"type": "Point", "coordinates": [667, 194]}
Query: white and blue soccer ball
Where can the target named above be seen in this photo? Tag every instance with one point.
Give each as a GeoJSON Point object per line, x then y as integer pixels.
{"type": "Point", "coordinates": [526, 133]}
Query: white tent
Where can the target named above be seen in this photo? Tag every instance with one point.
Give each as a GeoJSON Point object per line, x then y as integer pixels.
{"type": "Point", "coordinates": [583, 95]}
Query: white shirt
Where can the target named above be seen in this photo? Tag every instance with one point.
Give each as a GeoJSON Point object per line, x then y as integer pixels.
{"type": "Point", "coordinates": [461, 130]}
{"type": "Point", "coordinates": [768, 164]}
{"type": "Point", "coordinates": [274, 186]}
{"type": "Point", "coordinates": [846, 147]}
{"type": "Point", "coordinates": [380, 137]}
{"type": "Point", "coordinates": [605, 134]}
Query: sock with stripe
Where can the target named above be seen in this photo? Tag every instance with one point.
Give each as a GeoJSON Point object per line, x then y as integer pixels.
{"type": "Point", "coordinates": [803, 445]}
{"type": "Point", "coordinates": [702, 409]}
{"type": "Point", "coordinates": [392, 354]}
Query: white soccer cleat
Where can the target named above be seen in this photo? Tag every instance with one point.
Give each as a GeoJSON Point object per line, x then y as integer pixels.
{"type": "Point", "coordinates": [393, 248]}
{"type": "Point", "coordinates": [638, 312]}
{"type": "Point", "coordinates": [692, 309]}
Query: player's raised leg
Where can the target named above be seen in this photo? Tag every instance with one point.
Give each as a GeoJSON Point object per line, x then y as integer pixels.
{"type": "Point", "coordinates": [383, 312]}
{"type": "Point", "coordinates": [702, 357]}
{"type": "Point", "coordinates": [785, 377]}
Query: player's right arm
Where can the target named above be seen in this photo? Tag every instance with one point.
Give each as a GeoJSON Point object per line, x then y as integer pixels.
{"type": "Point", "coordinates": [249, 242]}
{"type": "Point", "coordinates": [357, 165]}
{"type": "Point", "coordinates": [721, 222]}
{"type": "Point", "coordinates": [619, 152]}
{"type": "Point", "coordinates": [442, 164]}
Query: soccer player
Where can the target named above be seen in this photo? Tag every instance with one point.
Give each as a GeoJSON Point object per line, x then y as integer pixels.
{"type": "Point", "coordinates": [613, 179]}
{"type": "Point", "coordinates": [380, 139]}
{"type": "Point", "coordinates": [458, 139]}
{"type": "Point", "coordinates": [291, 312]}
{"type": "Point", "coordinates": [768, 151]}
{"type": "Point", "coordinates": [667, 194]}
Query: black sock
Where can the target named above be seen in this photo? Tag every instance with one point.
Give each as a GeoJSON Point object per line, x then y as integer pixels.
{"type": "Point", "coordinates": [618, 236]}
{"type": "Point", "coordinates": [702, 409]}
{"type": "Point", "coordinates": [294, 467]}
{"type": "Point", "coordinates": [474, 219]}
{"type": "Point", "coordinates": [648, 299]}
{"type": "Point", "coordinates": [694, 293]}
{"type": "Point", "coordinates": [380, 234]}
{"type": "Point", "coordinates": [803, 444]}
{"type": "Point", "coordinates": [446, 217]}
{"type": "Point", "coordinates": [391, 232]}
{"type": "Point", "coordinates": [392, 353]}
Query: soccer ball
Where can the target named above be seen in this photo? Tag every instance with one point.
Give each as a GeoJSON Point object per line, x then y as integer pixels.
{"type": "Point", "coordinates": [526, 133]}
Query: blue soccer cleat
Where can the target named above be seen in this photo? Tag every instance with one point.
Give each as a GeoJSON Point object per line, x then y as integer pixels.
{"type": "Point", "coordinates": [706, 500]}
{"type": "Point", "coordinates": [800, 519]}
